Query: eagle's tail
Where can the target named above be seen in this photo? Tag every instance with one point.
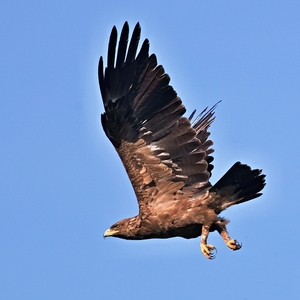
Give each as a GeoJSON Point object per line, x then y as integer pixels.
{"type": "Point", "coordinates": [237, 185]}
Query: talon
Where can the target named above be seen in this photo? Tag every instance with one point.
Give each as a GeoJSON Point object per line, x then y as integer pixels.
{"type": "Point", "coordinates": [209, 251]}
{"type": "Point", "coordinates": [234, 245]}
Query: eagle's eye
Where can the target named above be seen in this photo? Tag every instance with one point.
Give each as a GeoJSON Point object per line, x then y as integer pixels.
{"type": "Point", "coordinates": [115, 226]}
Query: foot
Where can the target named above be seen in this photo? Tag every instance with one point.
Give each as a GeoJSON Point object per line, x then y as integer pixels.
{"type": "Point", "coordinates": [233, 245]}
{"type": "Point", "coordinates": [208, 251]}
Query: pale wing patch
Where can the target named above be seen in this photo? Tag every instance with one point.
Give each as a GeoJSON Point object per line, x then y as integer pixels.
{"type": "Point", "coordinates": [150, 177]}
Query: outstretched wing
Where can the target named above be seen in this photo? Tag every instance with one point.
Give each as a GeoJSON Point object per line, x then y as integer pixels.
{"type": "Point", "coordinates": [166, 157]}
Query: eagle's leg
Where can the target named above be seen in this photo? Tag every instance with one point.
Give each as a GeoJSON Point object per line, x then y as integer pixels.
{"type": "Point", "coordinates": [231, 243]}
{"type": "Point", "coordinates": [206, 249]}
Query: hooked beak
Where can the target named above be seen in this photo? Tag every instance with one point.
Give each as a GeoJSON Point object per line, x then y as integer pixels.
{"type": "Point", "coordinates": [109, 232]}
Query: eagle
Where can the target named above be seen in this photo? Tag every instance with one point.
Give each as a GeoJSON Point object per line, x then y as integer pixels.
{"type": "Point", "coordinates": [168, 157]}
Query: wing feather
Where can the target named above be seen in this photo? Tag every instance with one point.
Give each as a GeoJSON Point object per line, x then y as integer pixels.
{"type": "Point", "coordinates": [166, 157]}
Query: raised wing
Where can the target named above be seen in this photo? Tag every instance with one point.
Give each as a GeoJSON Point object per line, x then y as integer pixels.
{"type": "Point", "coordinates": [166, 157]}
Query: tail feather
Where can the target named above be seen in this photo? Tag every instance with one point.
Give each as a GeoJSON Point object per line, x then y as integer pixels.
{"type": "Point", "coordinates": [238, 184]}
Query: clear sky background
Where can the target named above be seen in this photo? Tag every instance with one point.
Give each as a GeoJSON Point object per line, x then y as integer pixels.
{"type": "Point", "coordinates": [63, 185]}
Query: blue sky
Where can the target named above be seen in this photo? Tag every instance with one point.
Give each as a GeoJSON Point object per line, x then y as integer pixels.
{"type": "Point", "coordinates": [62, 184]}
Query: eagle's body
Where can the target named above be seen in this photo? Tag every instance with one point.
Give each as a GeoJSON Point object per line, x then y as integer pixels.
{"type": "Point", "coordinates": [167, 156]}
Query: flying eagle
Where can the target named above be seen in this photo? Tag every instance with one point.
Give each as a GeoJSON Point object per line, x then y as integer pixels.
{"type": "Point", "coordinates": [166, 155]}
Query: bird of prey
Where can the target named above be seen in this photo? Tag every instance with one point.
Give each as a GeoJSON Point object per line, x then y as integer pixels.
{"type": "Point", "coordinates": [168, 157]}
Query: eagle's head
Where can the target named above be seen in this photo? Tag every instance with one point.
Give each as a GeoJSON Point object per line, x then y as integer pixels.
{"type": "Point", "coordinates": [125, 229]}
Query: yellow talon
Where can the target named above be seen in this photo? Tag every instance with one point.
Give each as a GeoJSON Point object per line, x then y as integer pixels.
{"type": "Point", "coordinates": [234, 245]}
{"type": "Point", "coordinates": [207, 251]}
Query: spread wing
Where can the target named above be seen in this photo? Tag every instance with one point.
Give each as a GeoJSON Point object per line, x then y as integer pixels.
{"type": "Point", "coordinates": [166, 157]}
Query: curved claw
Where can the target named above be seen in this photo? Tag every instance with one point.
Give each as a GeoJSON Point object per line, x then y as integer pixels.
{"type": "Point", "coordinates": [209, 251]}
{"type": "Point", "coordinates": [234, 245]}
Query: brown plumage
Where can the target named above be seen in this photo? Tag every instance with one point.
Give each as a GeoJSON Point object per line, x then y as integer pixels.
{"type": "Point", "coordinates": [167, 156]}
